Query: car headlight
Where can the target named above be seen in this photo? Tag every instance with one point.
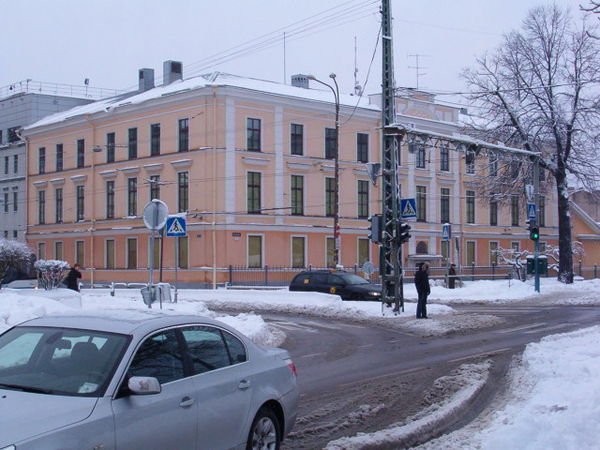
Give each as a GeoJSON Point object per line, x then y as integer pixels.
{"type": "Point", "coordinates": [375, 294]}
{"type": "Point", "coordinates": [10, 447]}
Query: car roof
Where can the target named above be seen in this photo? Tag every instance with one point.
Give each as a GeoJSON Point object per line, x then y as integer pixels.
{"type": "Point", "coordinates": [123, 321]}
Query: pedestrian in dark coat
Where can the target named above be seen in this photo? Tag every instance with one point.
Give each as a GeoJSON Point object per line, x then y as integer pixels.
{"type": "Point", "coordinates": [72, 278]}
{"type": "Point", "coordinates": [451, 276]}
{"type": "Point", "coordinates": [423, 289]}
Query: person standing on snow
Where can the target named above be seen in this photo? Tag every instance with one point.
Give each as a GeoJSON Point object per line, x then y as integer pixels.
{"type": "Point", "coordinates": [72, 278]}
{"type": "Point", "coordinates": [423, 289]}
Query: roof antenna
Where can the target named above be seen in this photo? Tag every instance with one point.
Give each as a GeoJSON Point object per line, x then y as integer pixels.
{"type": "Point", "coordinates": [417, 67]}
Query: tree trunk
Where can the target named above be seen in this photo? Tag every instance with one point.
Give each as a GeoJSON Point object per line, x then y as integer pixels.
{"type": "Point", "coordinates": [565, 259]}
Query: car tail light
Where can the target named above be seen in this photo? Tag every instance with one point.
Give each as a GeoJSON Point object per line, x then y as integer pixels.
{"type": "Point", "coordinates": [292, 366]}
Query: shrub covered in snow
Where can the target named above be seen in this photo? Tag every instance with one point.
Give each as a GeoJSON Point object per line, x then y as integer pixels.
{"type": "Point", "coordinates": [14, 256]}
{"type": "Point", "coordinates": [52, 272]}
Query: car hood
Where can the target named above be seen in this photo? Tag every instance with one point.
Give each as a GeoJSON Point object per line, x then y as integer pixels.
{"type": "Point", "coordinates": [25, 414]}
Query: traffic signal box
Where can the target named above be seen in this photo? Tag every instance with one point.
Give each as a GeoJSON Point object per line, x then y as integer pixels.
{"type": "Point", "coordinates": [534, 230]}
{"type": "Point", "coordinates": [542, 265]}
{"type": "Point", "coordinates": [403, 232]}
{"type": "Point", "coordinates": [375, 228]}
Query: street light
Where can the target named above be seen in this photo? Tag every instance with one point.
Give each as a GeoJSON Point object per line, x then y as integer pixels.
{"type": "Point", "coordinates": [336, 170]}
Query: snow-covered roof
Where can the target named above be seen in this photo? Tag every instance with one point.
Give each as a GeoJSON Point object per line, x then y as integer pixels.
{"type": "Point", "coordinates": [199, 82]}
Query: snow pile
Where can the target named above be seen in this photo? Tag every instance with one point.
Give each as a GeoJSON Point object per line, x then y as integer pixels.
{"type": "Point", "coordinates": [19, 305]}
{"type": "Point", "coordinates": [467, 381]}
{"type": "Point", "coordinates": [556, 396]}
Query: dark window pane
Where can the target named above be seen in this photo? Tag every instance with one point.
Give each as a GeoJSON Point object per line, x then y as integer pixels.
{"type": "Point", "coordinates": [206, 348]}
{"type": "Point", "coordinates": [253, 135]}
{"type": "Point", "coordinates": [297, 139]}
{"type": "Point", "coordinates": [160, 357]}
{"type": "Point", "coordinates": [132, 143]}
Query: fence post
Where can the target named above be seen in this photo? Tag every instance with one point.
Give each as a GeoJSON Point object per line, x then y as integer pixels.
{"type": "Point", "coordinates": [230, 275]}
{"type": "Point", "coordinates": [473, 270]}
{"type": "Point", "coordinates": [580, 268]}
{"type": "Point", "coordinates": [266, 275]}
{"type": "Point", "coordinates": [595, 271]}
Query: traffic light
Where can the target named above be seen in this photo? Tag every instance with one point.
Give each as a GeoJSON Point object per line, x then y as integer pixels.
{"type": "Point", "coordinates": [534, 230]}
{"type": "Point", "coordinates": [403, 232]}
{"type": "Point", "coordinates": [375, 228]}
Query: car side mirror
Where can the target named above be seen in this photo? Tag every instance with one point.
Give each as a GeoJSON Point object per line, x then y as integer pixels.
{"type": "Point", "coordinates": [144, 385]}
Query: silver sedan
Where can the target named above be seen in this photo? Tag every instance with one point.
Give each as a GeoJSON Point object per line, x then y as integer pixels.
{"type": "Point", "coordinates": [141, 379]}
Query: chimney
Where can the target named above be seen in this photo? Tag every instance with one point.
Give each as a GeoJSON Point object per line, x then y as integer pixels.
{"type": "Point", "coordinates": [172, 71]}
{"type": "Point", "coordinates": [300, 80]}
{"type": "Point", "coordinates": [146, 79]}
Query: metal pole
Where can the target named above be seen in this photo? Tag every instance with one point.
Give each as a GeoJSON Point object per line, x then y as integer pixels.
{"type": "Point", "coordinates": [536, 244]}
{"type": "Point", "coordinates": [176, 258]}
{"type": "Point", "coordinates": [336, 183]}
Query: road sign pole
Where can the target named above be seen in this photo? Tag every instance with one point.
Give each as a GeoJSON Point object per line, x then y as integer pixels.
{"type": "Point", "coordinates": [176, 259]}
{"type": "Point", "coordinates": [536, 244]}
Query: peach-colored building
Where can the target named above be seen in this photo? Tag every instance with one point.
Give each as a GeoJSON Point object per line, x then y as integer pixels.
{"type": "Point", "coordinates": [250, 164]}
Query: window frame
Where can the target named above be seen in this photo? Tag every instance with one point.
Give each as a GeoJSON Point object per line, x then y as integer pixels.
{"type": "Point", "coordinates": [80, 153]}
{"type": "Point", "coordinates": [445, 205]}
{"type": "Point", "coordinates": [296, 139]}
{"type": "Point", "coordinates": [183, 191]}
{"type": "Point", "coordinates": [155, 139]}
{"type": "Point", "coordinates": [292, 254]}
{"type": "Point", "coordinates": [470, 207]}
{"type": "Point", "coordinates": [330, 143]}
{"type": "Point", "coordinates": [362, 148]}
{"type": "Point", "coordinates": [42, 160]}
{"type": "Point", "coordinates": [110, 199]}
{"type": "Point", "coordinates": [79, 203]}
{"type": "Point", "coordinates": [132, 192]}
{"type": "Point", "coordinates": [59, 161]}
{"type": "Point", "coordinates": [253, 192]}
{"type": "Point", "coordinates": [183, 134]}
{"type": "Point", "coordinates": [421, 200]}
{"type": "Point", "coordinates": [253, 134]}
{"type": "Point", "coordinates": [132, 143]}
{"type": "Point", "coordinates": [297, 195]}
{"type": "Point", "coordinates": [362, 193]}
{"type": "Point", "coordinates": [58, 205]}
{"type": "Point", "coordinates": [262, 250]}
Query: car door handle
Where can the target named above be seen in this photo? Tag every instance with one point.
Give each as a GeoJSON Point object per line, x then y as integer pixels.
{"type": "Point", "coordinates": [244, 384]}
{"type": "Point", "coordinates": [186, 402]}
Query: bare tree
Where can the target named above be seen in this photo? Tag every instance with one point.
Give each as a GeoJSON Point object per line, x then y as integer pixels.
{"type": "Point", "coordinates": [537, 91]}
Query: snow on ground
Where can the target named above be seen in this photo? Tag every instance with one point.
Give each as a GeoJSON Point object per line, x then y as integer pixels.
{"type": "Point", "coordinates": [19, 305]}
{"type": "Point", "coordinates": [553, 401]}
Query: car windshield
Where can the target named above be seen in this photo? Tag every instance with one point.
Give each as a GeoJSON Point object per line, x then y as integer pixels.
{"type": "Point", "coordinates": [59, 361]}
{"type": "Point", "coordinates": [350, 278]}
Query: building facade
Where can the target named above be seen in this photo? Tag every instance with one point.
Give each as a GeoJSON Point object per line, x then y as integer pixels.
{"type": "Point", "coordinates": [22, 104]}
{"type": "Point", "coordinates": [250, 164]}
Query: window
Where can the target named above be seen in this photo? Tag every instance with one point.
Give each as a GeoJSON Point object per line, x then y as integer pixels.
{"type": "Point", "coordinates": [41, 250]}
{"type": "Point", "coordinates": [41, 206]}
{"type": "Point", "coordinates": [255, 251]}
{"type": "Point", "coordinates": [444, 159]}
{"type": "Point", "coordinates": [58, 251]}
{"type": "Point", "coordinates": [58, 200]}
{"type": "Point", "coordinates": [154, 187]}
{"type": "Point", "coordinates": [493, 166]}
{"type": "Point", "coordinates": [15, 163]}
{"type": "Point", "coordinates": [110, 199]}
{"type": "Point", "coordinates": [470, 162]}
{"type": "Point", "coordinates": [160, 357]}
{"type": "Point", "coordinates": [182, 191]}
{"type": "Point", "coordinates": [363, 251]}
{"type": "Point", "coordinates": [445, 248]}
{"type": "Point", "coordinates": [493, 210]}
{"type": "Point", "coordinates": [253, 135]}
{"type": "Point", "coordinates": [15, 200]}
{"type": "Point", "coordinates": [155, 139]}
{"type": "Point", "coordinates": [109, 254]}
{"type": "Point", "coordinates": [329, 197]}
{"type": "Point", "coordinates": [12, 134]}
{"type": "Point", "coordinates": [329, 251]}
{"type": "Point", "coordinates": [182, 248]}
{"type": "Point", "coordinates": [42, 160]}
{"type": "Point", "coordinates": [79, 253]}
{"type": "Point", "coordinates": [445, 205]}
{"type": "Point", "coordinates": [80, 201]}
{"type": "Point", "coordinates": [363, 199]}
{"type": "Point", "coordinates": [362, 147]}
{"type": "Point", "coordinates": [421, 203]}
{"type": "Point", "coordinates": [184, 135]}
{"type": "Point", "coordinates": [297, 189]}
{"type": "Point", "coordinates": [330, 143]}
{"type": "Point", "coordinates": [6, 202]}
{"type": "Point", "coordinates": [470, 206]}
{"type": "Point", "coordinates": [80, 153]}
{"type": "Point", "coordinates": [296, 139]}
{"type": "Point", "coordinates": [6, 165]}
{"type": "Point", "coordinates": [59, 157]}
{"type": "Point", "coordinates": [132, 253]}
{"type": "Point", "coordinates": [515, 167]}
{"type": "Point", "coordinates": [421, 248]}
{"type": "Point", "coordinates": [254, 188]}
{"type": "Point", "coordinates": [132, 143]}
{"type": "Point", "coordinates": [515, 246]}
{"type": "Point", "coordinates": [110, 147]}
{"type": "Point", "coordinates": [514, 210]}
{"type": "Point", "coordinates": [132, 196]}
{"type": "Point", "coordinates": [209, 351]}
{"type": "Point", "coordinates": [470, 253]}
{"type": "Point", "coordinates": [298, 251]}
{"type": "Point", "coordinates": [421, 157]}
{"type": "Point", "coordinates": [493, 252]}
{"type": "Point", "coordinates": [542, 212]}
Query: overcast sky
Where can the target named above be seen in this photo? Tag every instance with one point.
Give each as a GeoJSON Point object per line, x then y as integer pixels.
{"type": "Point", "coordinates": [107, 41]}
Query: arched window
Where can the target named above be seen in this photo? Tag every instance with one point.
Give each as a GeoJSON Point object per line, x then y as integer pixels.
{"type": "Point", "coordinates": [421, 248]}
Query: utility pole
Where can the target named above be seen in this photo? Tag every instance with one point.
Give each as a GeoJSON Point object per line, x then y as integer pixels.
{"type": "Point", "coordinates": [390, 266]}
{"type": "Point", "coordinates": [536, 243]}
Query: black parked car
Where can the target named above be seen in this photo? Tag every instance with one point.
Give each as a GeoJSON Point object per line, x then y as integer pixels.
{"type": "Point", "coordinates": [347, 285]}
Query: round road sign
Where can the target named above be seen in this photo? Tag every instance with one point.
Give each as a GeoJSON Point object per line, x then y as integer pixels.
{"type": "Point", "coordinates": [155, 214]}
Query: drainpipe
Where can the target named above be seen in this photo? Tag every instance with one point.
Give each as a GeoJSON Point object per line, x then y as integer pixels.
{"type": "Point", "coordinates": [214, 189]}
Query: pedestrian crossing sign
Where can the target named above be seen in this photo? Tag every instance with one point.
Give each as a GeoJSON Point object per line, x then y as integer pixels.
{"type": "Point", "coordinates": [176, 226]}
{"type": "Point", "coordinates": [408, 208]}
{"type": "Point", "coordinates": [531, 211]}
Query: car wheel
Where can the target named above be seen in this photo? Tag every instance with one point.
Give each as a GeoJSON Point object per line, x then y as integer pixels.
{"type": "Point", "coordinates": [264, 432]}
